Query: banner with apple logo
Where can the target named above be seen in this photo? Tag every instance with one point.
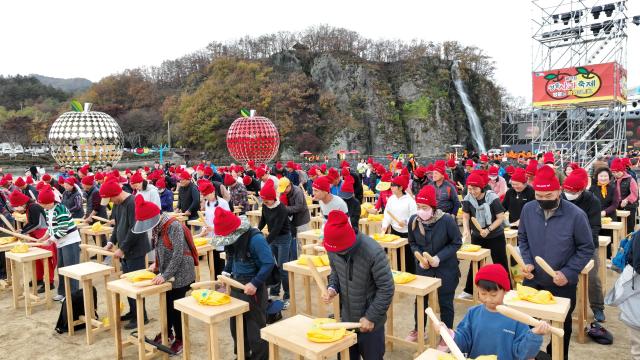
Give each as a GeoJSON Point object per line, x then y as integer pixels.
{"type": "Point", "coordinates": [589, 85]}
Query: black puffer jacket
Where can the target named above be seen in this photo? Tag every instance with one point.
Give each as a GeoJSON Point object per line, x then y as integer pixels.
{"type": "Point", "coordinates": [363, 279]}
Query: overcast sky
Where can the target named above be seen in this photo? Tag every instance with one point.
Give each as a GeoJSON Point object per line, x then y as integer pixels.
{"type": "Point", "coordinates": [92, 39]}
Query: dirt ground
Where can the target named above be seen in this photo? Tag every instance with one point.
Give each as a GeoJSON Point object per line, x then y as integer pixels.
{"type": "Point", "coordinates": [34, 337]}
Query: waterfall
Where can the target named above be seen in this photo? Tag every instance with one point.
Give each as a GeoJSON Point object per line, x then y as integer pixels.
{"type": "Point", "coordinates": [472, 116]}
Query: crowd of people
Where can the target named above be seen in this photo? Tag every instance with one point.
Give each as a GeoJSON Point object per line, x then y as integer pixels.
{"type": "Point", "coordinates": [556, 211]}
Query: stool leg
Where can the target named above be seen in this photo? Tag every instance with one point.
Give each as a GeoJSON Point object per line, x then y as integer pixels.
{"type": "Point", "coordinates": [67, 297]}
{"type": "Point", "coordinates": [186, 344]}
{"type": "Point", "coordinates": [307, 294]}
{"type": "Point", "coordinates": [403, 262]}
{"type": "Point", "coordinates": [25, 283]}
{"type": "Point", "coordinates": [197, 268]}
{"type": "Point", "coordinates": [390, 324]}
{"type": "Point", "coordinates": [344, 354]}
{"type": "Point", "coordinates": [420, 309]}
{"type": "Point", "coordinates": [474, 265]}
{"type": "Point", "coordinates": [336, 308]}
{"type": "Point", "coordinates": [164, 330]}
{"type": "Point", "coordinates": [213, 342]}
{"type": "Point", "coordinates": [15, 283]}
{"type": "Point", "coordinates": [435, 306]}
{"type": "Point", "coordinates": [273, 352]}
{"type": "Point", "coordinates": [87, 294]}
{"type": "Point", "coordinates": [557, 342]}
{"type": "Point", "coordinates": [140, 320]}
{"type": "Point", "coordinates": [116, 324]}
{"type": "Point", "coordinates": [292, 292]}
{"type": "Point", "coordinates": [212, 268]}
{"type": "Point", "coordinates": [45, 278]}
{"type": "Point", "coordinates": [109, 303]}
{"type": "Point", "coordinates": [240, 336]}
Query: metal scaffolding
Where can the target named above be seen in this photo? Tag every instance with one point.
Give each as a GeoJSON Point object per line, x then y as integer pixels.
{"type": "Point", "coordinates": [572, 33]}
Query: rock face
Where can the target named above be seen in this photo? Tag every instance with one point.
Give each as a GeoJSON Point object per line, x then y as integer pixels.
{"type": "Point", "coordinates": [409, 106]}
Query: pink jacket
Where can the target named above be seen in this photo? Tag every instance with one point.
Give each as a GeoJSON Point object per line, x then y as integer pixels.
{"type": "Point", "coordinates": [499, 186]}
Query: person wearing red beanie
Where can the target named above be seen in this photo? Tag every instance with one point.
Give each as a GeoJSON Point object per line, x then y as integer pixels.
{"type": "Point", "coordinates": [433, 231]}
{"type": "Point", "coordinates": [519, 194]}
{"type": "Point", "coordinates": [188, 196]}
{"type": "Point", "coordinates": [497, 182]}
{"type": "Point", "coordinates": [349, 254]}
{"type": "Point", "coordinates": [176, 258]}
{"type": "Point", "coordinates": [446, 191]}
{"type": "Point", "coordinates": [94, 201]}
{"type": "Point", "coordinates": [143, 187]}
{"type": "Point", "coordinates": [628, 190]}
{"type": "Point", "coordinates": [275, 217]}
{"type": "Point", "coordinates": [72, 198]}
{"type": "Point", "coordinates": [484, 205]}
{"type": "Point", "coordinates": [554, 223]}
{"type": "Point", "coordinates": [400, 207]}
{"type": "Point", "coordinates": [237, 192]}
{"type": "Point", "coordinates": [346, 194]}
{"type": "Point", "coordinates": [328, 202]}
{"type": "Point", "coordinates": [166, 195]}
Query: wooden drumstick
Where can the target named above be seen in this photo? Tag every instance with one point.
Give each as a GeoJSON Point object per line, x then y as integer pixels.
{"type": "Point", "coordinates": [20, 236]}
{"type": "Point", "coordinates": [317, 277]}
{"type": "Point", "coordinates": [393, 217]}
{"type": "Point", "coordinates": [516, 255]}
{"type": "Point", "coordinates": [444, 332]}
{"type": "Point", "coordinates": [94, 217]}
{"type": "Point", "coordinates": [546, 267]}
{"type": "Point", "coordinates": [340, 325]}
{"type": "Point", "coordinates": [476, 223]}
{"type": "Point", "coordinates": [421, 259]}
{"type": "Point", "coordinates": [231, 282]}
{"type": "Point", "coordinates": [524, 318]}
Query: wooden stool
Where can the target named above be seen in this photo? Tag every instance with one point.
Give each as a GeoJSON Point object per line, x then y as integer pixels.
{"type": "Point", "coordinates": [310, 237]}
{"type": "Point", "coordinates": [100, 253]}
{"type": "Point", "coordinates": [369, 198]}
{"type": "Point", "coordinates": [478, 259]}
{"type": "Point", "coordinates": [6, 284]}
{"type": "Point", "coordinates": [125, 288]}
{"type": "Point", "coordinates": [394, 250]}
{"type": "Point", "coordinates": [85, 273]}
{"type": "Point", "coordinates": [254, 217]}
{"type": "Point", "coordinates": [617, 235]}
{"type": "Point", "coordinates": [316, 222]}
{"type": "Point", "coordinates": [193, 224]}
{"type": "Point", "coordinates": [20, 219]}
{"type": "Point", "coordinates": [582, 300]}
{"type": "Point", "coordinates": [28, 261]}
{"type": "Point", "coordinates": [212, 316]}
{"type": "Point", "coordinates": [623, 215]}
{"type": "Point", "coordinates": [293, 269]}
{"type": "Point", "coordinates": [314, 209]}
{"type": "Point", "coordinates": [420, 287]}
{"type": "Point", "coordinates": [555, 313]}
{"type": "Point", "coordinates": [207, 252]}
{"type": "Point", "coordinates": [511, 236]}
{"type": "Point", "coordinates": [291, 334]}
{"type": "Point", "coordinates": [373, 227]}
{"type": "Point", "coordinates": [362, 225]}
{"type": "Point", "coordinates": [603, 243]}
{"type": "Point", "coordinates": [431, 354]}
{"type": "Point", "coordinates": [87, 234]}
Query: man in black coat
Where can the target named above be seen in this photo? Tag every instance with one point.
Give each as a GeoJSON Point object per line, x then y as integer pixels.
{"type": "Point", "coordinates": [188, 197]}
{"type": "Point", "coordinates": [358, 191]}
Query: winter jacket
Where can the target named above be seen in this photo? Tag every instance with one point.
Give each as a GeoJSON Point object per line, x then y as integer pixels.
{"type": "Point", "coordinates": [628, 190]}
{"type": "Point", "coordinates": [297, 207]}
{"type": "Point", "coordinates": [277, 221]}
{"type": "Point", "coordinates": [189, 200]}
{"type": "Point", "coordinates": [174, 263]}
{"type": "Point", "coordinates": [363, 279]}
{"type": "Point", "coordinates": [166, 200]}
{"type": "Point", "coordinates": [133, 245]}
{"type": "Point", "coordinates": [257, 262]}
{"type": "Point", "coordinates": [514, 201]}
{"type": "Point", "coordinates": [238, 195]}
{"type": "Point", "coordinates": [294, 178]}
{"type": "Point", "coordinates": [61, 226]}
{"type": "Point", "coordinates": [93, 203]}
{"type": "Point", "coordinates": [447, 197]}
{"type": "Point", "coordinates": [625, 294]}
{"type": "Point", "coordinates": [441, 238]}
{"type": "Point", "coordinates": [564, 240]}
{"type": "Point", "coordinates": [73, 201]}
{"type": "Point", "coordinates": [608, 203]}
{"type": "Point", "coordinates": [358, 192]}
{"type": "Point", "coordinates": [590, 204]}
{"type": "Point", "coordinates": [353, 209]}
{"type": "Point", "coordinates": [36, 225]}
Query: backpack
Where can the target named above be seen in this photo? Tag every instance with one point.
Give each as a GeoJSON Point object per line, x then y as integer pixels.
{"type": "Point", "coordinates": [193, 252]}
{"type": "Point", "coordinates": [77, 301]}
{"type": "Point", "coordinates": [619, 261]}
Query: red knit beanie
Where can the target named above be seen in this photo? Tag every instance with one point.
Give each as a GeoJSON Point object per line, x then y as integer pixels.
{"type": "Point", "coordinates": [208, 171]}
{"type": "Point", "coordinates": [617, 165]}
{"type": "Point", "coordinates": [185, 176]}
{"type": "Point", "coordinates": [347, 185]}
{"type": "Point", "coordinates": [484, 158]}
{"type": "Point", "coordinates": [29, 180]}
{"type": "Point", "coordinates": [136, 178]}
{"type": "Point", "coordinates": [19, 182]}
{"type": "Point", "coordinates": [8, 177]}
{"type": "Point", "coordinates": [145, 210]}
{"type": "Point", "coordinates": [87, 180]}
{"type": "Point", "coordinates": [17, 198]}
{"type": "Point", "coordinates": [494, 273]}
{"type": "Point", "coordinates": [451, 163]}
{"type": "Point", "coordinates": [260, 173]}
{"type": "Point", "coordinates": [469, 163]}
{"type": "Point", "coordinates": [427, 196]}
{"type": "Point", "coordinates": [110, 189]}
{"type": "Point", "coordinates": [70, 181]}
{"type": "Point", "coordinates": [246, 180]}
{"type": "Point", "coordinates": [439, 169]}
{"type": "Point", "coordinates": [338, 232]}
{"type": "Point", "coordinates": [322, 183]}
{"type": "Point", "coordinates": [46, 196]}
{"type": "Point", "coordinates": [532, 168]}
{"type": "Point", "coordinates": [548, 158]}
{"type": "Point", "coordinates": [477, 179]}
{"type": "Point", "coordinates": [510, 169]}
{"type": "Point", "coordinates": [519, 175]}
{"type": "Point", "coordinates": [493, 171]}
{"type": "Point", "coordinates": [268, 191]}
{"type": "Point", "coordinates": [401, 181]}
{"type": "Point", "coordinates": [224, 222]}
{"type": "Point", "coordinates": [291, 165]}
{"type": "Point", "coordinates": [576, 181]}
{"type": "Point", "coordinates": [46, 177]}
{"type": "Point", "coordinates": [344, 172]}
{"type": "Point", "coordinates": [206, 188]}
{"type": "Point", "coordinates": [344, 164]}
{"type": "Point", "coordinates": [420, 172]}
{"type": "Point", "coordinates": [386, 177]}
{"type": "Point", "coordinates": [229, 180]}
{"type": "Point", "coordinates": [161, 183]}
{"type": "Point", "coordinates": [333, 175]}
{"type": "Point", "coordinates": [546, 180]}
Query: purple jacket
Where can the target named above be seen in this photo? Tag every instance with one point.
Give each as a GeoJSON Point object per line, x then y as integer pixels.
{"type": "Point", "coordinates": [564, 240]}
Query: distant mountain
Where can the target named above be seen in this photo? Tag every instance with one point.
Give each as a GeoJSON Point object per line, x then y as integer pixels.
{"type": "Point", "coordinates": [68, 85]}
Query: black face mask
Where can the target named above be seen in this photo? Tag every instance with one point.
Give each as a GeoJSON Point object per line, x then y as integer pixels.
{"type": "Point", "coordinates": [549, 204]}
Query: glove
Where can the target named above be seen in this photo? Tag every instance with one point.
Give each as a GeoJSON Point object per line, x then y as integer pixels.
{"type": "Point", "coordinates": [435, 262]}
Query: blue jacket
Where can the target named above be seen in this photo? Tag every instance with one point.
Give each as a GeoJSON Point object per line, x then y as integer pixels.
{"type": "Point", "coordinates": [166, 200]}
{"type": "Point", "coordinates": [294, 178]}
{"type": "Point", "coordinates": [564, 240]}
{"type": "Point", "coordinates": [258, 264]}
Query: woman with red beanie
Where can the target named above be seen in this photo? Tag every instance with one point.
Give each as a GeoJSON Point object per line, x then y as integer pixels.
{"type": "Point", "coordinates": [400, 207]}
{"type": "Point", "coordinates": [431, 230]}
{"type": "Point", "coordinates": [36, 227]}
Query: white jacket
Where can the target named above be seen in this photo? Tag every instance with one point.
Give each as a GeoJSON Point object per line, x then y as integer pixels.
{"type": "Point", "coordinates": [402, 208]}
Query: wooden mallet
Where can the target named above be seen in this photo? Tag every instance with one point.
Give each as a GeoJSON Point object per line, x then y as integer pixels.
{"type": "Point", "coordinates": [21, 236]}
{"type": "Point", "coordinates": [231, 282]}
{"type": "Point", "coordinates": [524, 318]}
{"type": "Point", "coordinates": [393, 217]}
{"type": "Point", "coordinates": [94, 217]}
{"type": "Point", "coordinates": [341, 325]}
{"type": "Point", "coordinates": [476, 223]}
{"type": "Point", "coordinates": [453, 347]}
{"type": "Point", "coordinates": [546, 267]}
{"type": "Point", "coordinates": [424, 262]}
{"type": "Point", "coordinates": [516, 255]}
{"type": "Point", "coordinates": [7, 223]}
{"type": "Point", "coordinates": [317, 277]}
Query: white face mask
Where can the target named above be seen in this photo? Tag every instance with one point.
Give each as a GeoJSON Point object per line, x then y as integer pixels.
{"type": "Point", "coordinates": [493, 177]}
{"type": "Point", "coordinates": [572, 196]}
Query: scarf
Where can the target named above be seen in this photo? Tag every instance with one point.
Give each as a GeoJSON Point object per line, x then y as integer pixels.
{"type": "Point", "coordinates": [603, 189]}
{"type": "Point", "coordinates": [483, 212]}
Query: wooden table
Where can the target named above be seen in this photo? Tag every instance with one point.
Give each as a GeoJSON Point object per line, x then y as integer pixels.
{"type": "Point", "coordinates": [316, 222]}
{"type": "Point", "coordinates": [582, 300]}
{"type": "Point", "coordinates": [89, 233]}
{"type": "Point", "coordinates": [28, 262]}
{"type": "Point", "coordinates": [20, 219]}
{"type": "Point", "coordinates": [193, 224]}
{"type": "Point", "coordinates": [618, 234]}
{"type": "Point", "coordinates": [310, 237]}
{"type": "Point", "coordinates": [431, 354]}
{"type": "Point", "coordinates": [85, 273]}
{"type": "Point", "coordinates": [293, 269]}
{"type": "Point", "coordinates": [623, 215]}
{"type": "Point", "coordinates": [314, 209]}
{"type": "Point", "coordinates": [7, 284]}
{"type": "Point", "coordinates": [125, 288]}
{"type": "Point", "coordinates": [394, 250]}
{"type": "Point", "coordinates": [291, 334]}
{"type": "Point", "coordinates": [212, 316]}
{"type": "Point", "coordinates": [369, 227]}
{"type": "Point", "coordinates": [206, 251]}
{"type": "Point", "coordinates": [420, 287]}
{"type": "Point", "coordinates": [478, 259]}
{"type": "Point", "coordinates": [254, 217]}
{"type": "Point", "coordinates": [603, 243]}
{"type": "Point", "coordinates": [556, 313]}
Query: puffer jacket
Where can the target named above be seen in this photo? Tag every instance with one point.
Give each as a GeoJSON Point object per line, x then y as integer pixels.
{"type": "Point", "coordinates": [363, 279]}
